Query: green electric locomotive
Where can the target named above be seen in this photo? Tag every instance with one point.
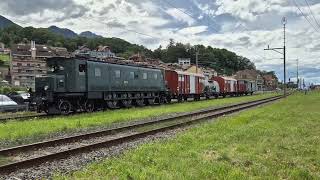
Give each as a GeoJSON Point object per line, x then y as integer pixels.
{"type": "Point", "coordinates": [76, 84]}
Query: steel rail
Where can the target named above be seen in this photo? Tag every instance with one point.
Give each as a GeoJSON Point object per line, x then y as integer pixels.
{"type": "Point", "coordinates": [63, 154]}
{"type": "Point", "coordinates": [22, 148]}
{"type": "Point", "coordinates": [32, 117]}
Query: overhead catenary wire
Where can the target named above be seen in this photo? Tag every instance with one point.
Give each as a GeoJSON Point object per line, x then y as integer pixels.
{"type": "Point", "coordinates": [189, 14]}
{"type": "Point", "coordinates": [306, 17]}
{"type": "Point", "coordinates": [312, 14]}
{"type": "Point", "coordinates": [129, 30]}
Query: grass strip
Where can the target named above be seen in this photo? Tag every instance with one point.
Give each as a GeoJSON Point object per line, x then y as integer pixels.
{"type": "Point", "coordinates": [278, 141]}
{"type": "Point", "coordinates": [17, 131]}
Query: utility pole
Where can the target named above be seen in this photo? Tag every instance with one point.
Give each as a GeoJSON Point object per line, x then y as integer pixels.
{"type": "Point", "coordinates": [197, 56]}
{"type": "Point", "coordinates": [284, 22]}
{"type": "Point", "coordinates": [298, 73]}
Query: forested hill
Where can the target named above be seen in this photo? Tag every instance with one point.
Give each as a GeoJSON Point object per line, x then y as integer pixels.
{"type": "Point", "coordinates": [220, 59]}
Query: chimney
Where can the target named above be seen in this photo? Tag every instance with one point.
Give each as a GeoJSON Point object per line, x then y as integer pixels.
{"type": "Point", "coordinates": [33, 50]}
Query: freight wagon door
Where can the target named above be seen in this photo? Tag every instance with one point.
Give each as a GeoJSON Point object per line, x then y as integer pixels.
{"type": "Point", "coordinates": [232, 88]}
{"type": "Point", "coordinates": [192, 84]}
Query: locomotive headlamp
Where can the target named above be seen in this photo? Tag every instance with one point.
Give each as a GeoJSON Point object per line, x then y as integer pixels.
{"type": "Point", "coordinates": [46, 88]}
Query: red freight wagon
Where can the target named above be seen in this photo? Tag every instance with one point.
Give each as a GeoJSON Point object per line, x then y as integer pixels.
{"type": "Point", "coordinates": [242, 87]}
{"type": "Point", "coordinates": [228, 86]}
{"type": "Point", "coordinates": [184, 85]}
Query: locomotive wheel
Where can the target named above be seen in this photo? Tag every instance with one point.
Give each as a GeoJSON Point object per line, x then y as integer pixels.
{"type": "Point", "coordinates": [161, 100]}
{"type": "Point", "coordinates": [89, 106]}
{"type": "Point", "coordinates": [126, 103]}
{"type": "Point", "coordinates": [140, 102]}
{"type": "Point", "coordinates": [151, 101]}
{"type": "Point", "coordinates": [112, 104]}
{"type": "Point", "coordinates": [179, 98]}
{"type": "Point", "coordinates": [64, 107]}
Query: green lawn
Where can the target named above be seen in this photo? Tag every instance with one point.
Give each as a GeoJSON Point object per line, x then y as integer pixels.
{"type": "Point", "coordinates": [279, 141]}
{"type": "Point", "coordinates": [4, 58]}
{"type": "Point", "coordinates": [15, 132]}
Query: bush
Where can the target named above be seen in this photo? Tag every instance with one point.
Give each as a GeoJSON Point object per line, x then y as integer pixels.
{"type": "Point", "coordinates": [8, 89]}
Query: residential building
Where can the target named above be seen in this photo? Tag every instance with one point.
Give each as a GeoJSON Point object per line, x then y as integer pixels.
{"type": "Point", "coordinates": [102, 52]}
{"type": "Point", "coordinates": [252, 76]}
{"type": "Point", "coordinates": [4, 50]}
{"type": "Point", "coordinates": [29, 61]}
{"type": "Point", "coordinates": [184, 61]}
{"type": "Point", "coordinates": [270, 82]}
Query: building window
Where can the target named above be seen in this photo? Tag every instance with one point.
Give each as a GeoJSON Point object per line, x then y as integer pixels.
{"type": "Point", "coordinates": [19, 64]}
{"type": "Point", "coordinates": [117, 73]}
{"type": "Point", "coordinates": [97, 72]}
{"type": "Point", "coordinates": [144, 76]}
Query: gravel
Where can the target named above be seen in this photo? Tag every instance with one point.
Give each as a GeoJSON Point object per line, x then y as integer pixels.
{"type": "Point", "coordinates": [73, 163]}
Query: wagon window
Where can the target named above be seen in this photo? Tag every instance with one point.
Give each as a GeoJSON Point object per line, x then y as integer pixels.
{"type": "Point", "coordinates": [145, 76]}
{"type": "Point", "coordinates": [82, 68]}
{"type": "Point", "coordinates": [117, 73]}
{"type": "Point", "coordinates": [155, 76]}
{"type": "Point", "coordinates": [97, 72]}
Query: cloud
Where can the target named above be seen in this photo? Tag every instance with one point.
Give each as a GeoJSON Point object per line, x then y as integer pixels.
{"type": "Point", "coordinates": [243, 26]}
{"type": "Point", "coordinates": [193, 30]}
{"type": "Point", "coordinates": [115, 24]}
{"type": "Point", "coordinates": [180, 16]}
{"type": "Point", "coordinates": [55, 10]}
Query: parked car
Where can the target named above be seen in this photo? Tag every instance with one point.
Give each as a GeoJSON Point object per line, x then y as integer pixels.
{"type": "Point", "coordinates": [19, 97]}
{"type": "Point", "coordinates": [8, 105]}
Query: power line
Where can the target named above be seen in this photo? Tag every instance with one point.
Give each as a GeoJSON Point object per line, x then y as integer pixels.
{"type": "Point", "coordinates": [129, 30]}
{"type": "Point", "coordinates": [295, 3]}
{"type": "Point", "coordinates": [188, 14]}
{"type": "Point", "coordinates": [312, 13]}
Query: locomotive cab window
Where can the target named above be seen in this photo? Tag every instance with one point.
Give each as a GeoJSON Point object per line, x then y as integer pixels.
{"type": "Point", "coordinates": [145, 76]}
{"type": "Point", "coordinates": [82, 68]}
{"type": "Point", "coordinates": [117, 73]}
{"type": "Point", "coordinates": [97, 72]}
{"type": "Point", "coordinates": [131, 75]}
{"type": "Point", "coordinates": [155, 76]}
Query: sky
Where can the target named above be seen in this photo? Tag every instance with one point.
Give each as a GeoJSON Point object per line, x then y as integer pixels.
{"type": "Point", "coordinates": [246, 27]}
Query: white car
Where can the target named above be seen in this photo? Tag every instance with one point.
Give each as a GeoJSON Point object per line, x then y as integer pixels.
{"type": "Point", "coordinates": [8, 105]}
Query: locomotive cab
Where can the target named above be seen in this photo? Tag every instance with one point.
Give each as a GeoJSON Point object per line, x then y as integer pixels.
{"type": "Point", "coordinates": [61, 81]}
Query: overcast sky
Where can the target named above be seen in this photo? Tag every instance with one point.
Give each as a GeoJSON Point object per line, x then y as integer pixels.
{"type": "Point", "coordinates": [243, 26]}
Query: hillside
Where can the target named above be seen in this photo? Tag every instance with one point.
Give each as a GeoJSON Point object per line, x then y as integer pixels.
{"type": "Point", "coordinates": [89, 34]}
{"type": "Point", "coordinates": [222, 60]}
{"type": "Point", "coordinates": [63, 31]}
{"type": "Point", "coordinates": [4, 22]}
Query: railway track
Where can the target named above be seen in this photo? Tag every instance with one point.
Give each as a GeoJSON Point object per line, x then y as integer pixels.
{"type": "Point", "coordinates": [34, 154]}
{"type": "Point", "coordinates": [43, 115]}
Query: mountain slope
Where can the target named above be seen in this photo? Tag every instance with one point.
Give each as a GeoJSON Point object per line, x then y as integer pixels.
{"type": "Point", "coordinates": [67, 33]}
{"type": "Point", "coordinates": [89, 34]}
{"type": "Point", "coordinates": [4, 22]}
